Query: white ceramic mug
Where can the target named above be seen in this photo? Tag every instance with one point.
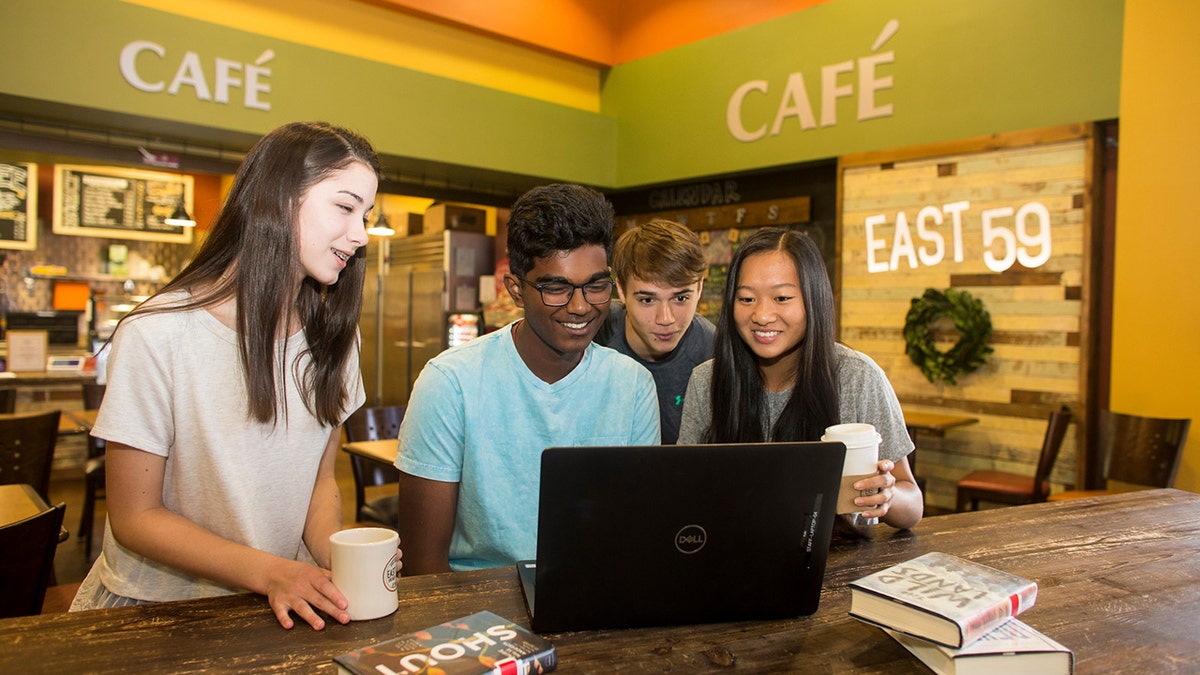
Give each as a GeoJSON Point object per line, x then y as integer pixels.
{"type": "Point", "coordinates": [862, 458]}
{"type": "Point", "coordinates": [364, 569]}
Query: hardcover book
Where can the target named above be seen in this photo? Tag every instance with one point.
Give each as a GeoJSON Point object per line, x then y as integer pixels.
{"type": "Point", "coordinates": [1014, 647]}
{"type": "Point", "coordinates": [477, 644]}
{"type": "Point", "coordinates": [941, 598]}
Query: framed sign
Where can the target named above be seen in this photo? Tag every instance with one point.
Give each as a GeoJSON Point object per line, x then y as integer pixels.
{"type": "Point", "coordinates": [18, 206]}
{"type": "Point", "coordinates": [119, 203]}
{"type": "Point", "coordinates": [27, 350]}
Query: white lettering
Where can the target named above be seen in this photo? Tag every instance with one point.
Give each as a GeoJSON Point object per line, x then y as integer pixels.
{"type": "Point", "coordinates": [925, 234]}
{"type": "Point", "coordinates": [733, 113]}
{"type": "Point", "coordinates": [874, 244]}
{"type": "Point", "coordinates": [190, 73]}
{"type": "Point", "coordinates": [992, 234]}
{"type": "Point", "coordinates": [226, 78]}
{"type": "Point", "coordinates": [868, 84]}
{"type": "Point", "coordinates": [1003, 245]}
{"type": "Point", "coordinates": [227, 74]}
{"type": "Point", "coordinates": [256, 76]}
{"type": "Point", "coordinates": [831, 92]}
{"type": "Point", "coordinates": [794, 104]}
{"type": "Point", "coordinates": [477, 642]}
{"type": "Point", "coordinates": [955, 210]}
{"type": "Point", "coordinates": [447, 651]}
{"type": "Point", "coordinates": [129, 64]}
{"type": "Point", "coordinates": [902, 244]}
{"type": "Point", "coordinates": [1041, 239]}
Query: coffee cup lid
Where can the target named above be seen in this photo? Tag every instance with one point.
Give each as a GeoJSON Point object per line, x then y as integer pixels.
{"type": "Point", "coordinates": [854, 433]}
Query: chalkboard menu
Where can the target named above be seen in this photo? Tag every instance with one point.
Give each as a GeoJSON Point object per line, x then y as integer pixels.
{"type": "Point", "coordinates": [18, 206]}
{"type": "Point", "coordinates": [100, 201]}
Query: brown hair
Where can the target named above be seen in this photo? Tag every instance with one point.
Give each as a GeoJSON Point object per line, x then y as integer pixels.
{"type": "Point", "coordinates": [660, 251]}
{"type": "Point", "coordinates": [251, 255]}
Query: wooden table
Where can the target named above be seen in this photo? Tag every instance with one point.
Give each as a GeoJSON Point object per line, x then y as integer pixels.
{"type": "Point", "coordinates": [383, 451]}
{"type": "Point", "coordinates": [76, 421]}
{"type": "Point", "coordinates": [1117, 576]}
{"type": "Point", "coordinates": [19, 501]}
{"type": "Point", "coordinates": [934, 423]}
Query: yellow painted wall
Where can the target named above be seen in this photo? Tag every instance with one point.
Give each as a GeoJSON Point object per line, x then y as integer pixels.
{"type": "Point", "coordinates": [1156, 310]}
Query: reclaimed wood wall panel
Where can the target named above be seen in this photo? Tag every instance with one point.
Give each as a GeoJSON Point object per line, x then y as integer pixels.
{"type": "Point", "coordinates": [1037, 312]}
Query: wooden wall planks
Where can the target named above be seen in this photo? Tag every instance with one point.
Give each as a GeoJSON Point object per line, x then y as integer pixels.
{"type": "Point", "coordinates": [1038, 313]}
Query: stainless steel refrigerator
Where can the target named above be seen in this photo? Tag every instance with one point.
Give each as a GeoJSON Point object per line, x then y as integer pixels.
{"type": "Point", "coordinates": [414, 288]}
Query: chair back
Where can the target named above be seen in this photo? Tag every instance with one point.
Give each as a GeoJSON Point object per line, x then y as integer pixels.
{"type": "Point", "coordinates": [1056, 431]}
{"type": "Point", "coordinates": [28, 561]}
{"type": "Point", "coordinates": [27, 449]}
{"type": "Point", "coordinates": [93, 395]}
{"type": "Point", "coordinates": [1142, 450]}
{"type": "Point", "coordinates": [8, 400]}
{"type": "Point", "coordinates": [374, 424]}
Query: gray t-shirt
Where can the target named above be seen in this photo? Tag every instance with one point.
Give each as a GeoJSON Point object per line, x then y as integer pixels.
{"type": "Point", "coordinates": [670, 374]}
{"type": "Point", "coordinates": [864, 395]}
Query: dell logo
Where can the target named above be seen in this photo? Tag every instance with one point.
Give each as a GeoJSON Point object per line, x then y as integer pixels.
{"type": "Point", "coordinates": [690, 539]}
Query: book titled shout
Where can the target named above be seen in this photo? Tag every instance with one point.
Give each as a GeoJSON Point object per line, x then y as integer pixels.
{"type": "Point", "coordinates": [478, 644]}
{"type": "Point", "coordinates": [941, 598]}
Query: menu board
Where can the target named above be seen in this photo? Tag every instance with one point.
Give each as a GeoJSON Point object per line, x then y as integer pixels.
{"type": "Point", "coordinates": [18, 206]}
{"type": "Point", "coordinates": [118, 203]}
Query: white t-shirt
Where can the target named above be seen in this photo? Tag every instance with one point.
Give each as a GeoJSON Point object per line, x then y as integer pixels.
{"type": "Point", "coordinates": [176, 389]}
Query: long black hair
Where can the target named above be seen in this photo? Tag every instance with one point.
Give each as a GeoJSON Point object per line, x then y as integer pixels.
{"type": "Point", "coordinates": [251, 254]}
{"type": "Point", "coordinates": [739, 399]}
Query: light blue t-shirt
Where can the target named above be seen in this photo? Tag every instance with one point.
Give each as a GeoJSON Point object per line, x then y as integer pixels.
{"type": "Point", "coordinates": [478, 416]}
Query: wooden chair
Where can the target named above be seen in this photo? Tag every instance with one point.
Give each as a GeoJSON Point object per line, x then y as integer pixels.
{"type": "Point", "coordinates": [27, 564]}
{"type": "Point", "coordinates": [374, 424]}
{"type": "Point", "coordinates": [93, 472]}
{"type": "Point", "coordinates": [1138, 452]}
{"type": "Point", "coordinates": [27, 449]}
{"type": "Point", "coordinates": [1013, 488]}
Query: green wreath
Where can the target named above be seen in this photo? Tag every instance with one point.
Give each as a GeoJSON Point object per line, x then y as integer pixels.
{"type": "Point", "coordinates": [971, 320]}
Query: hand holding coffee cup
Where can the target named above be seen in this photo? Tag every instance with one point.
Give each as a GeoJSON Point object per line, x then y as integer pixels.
{"type": "Point", "coordinates": [365, 565]}
{"type": "Point", "coordinates": [862, 459]}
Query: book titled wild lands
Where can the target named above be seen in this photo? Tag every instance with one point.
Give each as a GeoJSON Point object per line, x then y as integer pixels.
{"type": "Point", "coordinates": [941, 598]}
{"type": "Point", "coordinates": [1014, 647]}
{"type": "Point", "coordinates": [477, 644]}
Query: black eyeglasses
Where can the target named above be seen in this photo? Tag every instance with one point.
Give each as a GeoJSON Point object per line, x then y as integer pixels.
{"type": "Point", "coordinates": [558, 294]}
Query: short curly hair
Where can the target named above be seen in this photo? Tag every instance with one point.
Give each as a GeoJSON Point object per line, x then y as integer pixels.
{"type": "Point", "coordinates": [557, 217]}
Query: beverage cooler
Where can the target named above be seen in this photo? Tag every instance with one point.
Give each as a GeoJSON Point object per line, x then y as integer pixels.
{"type": "Point", "coordinates": [420, 297]}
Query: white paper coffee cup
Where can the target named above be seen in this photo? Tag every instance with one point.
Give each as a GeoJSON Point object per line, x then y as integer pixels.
{"type": "Point", "coordinates": [364, 569]}
{"type": "Point", "coordinates": [862, 457]}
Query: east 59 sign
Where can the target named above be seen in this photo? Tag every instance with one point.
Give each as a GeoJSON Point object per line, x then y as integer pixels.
{"type": "Point", "coordinates": [1007, 234]}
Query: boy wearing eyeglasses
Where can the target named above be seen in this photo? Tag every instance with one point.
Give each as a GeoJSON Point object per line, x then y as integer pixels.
{"type": "Point", "coordinates": [660, 269]}
{"type": "Point", "coordinates": [480, 414]}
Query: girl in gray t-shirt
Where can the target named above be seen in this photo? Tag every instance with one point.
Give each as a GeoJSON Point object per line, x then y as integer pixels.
{"type": "Point", "coordinates": [779, 375]}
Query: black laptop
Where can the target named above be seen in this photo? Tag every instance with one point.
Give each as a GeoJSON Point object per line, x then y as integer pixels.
{"type": "Point", "coordinates": [679, 534]}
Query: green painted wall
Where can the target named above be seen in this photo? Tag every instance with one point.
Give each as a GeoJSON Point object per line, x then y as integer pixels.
{"type": "Point", "coordinates": [957, 68]}
{"type": "Point", "coordinates": [945, 69]}
{"type": "Point", "coordinates": [68, 51]}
